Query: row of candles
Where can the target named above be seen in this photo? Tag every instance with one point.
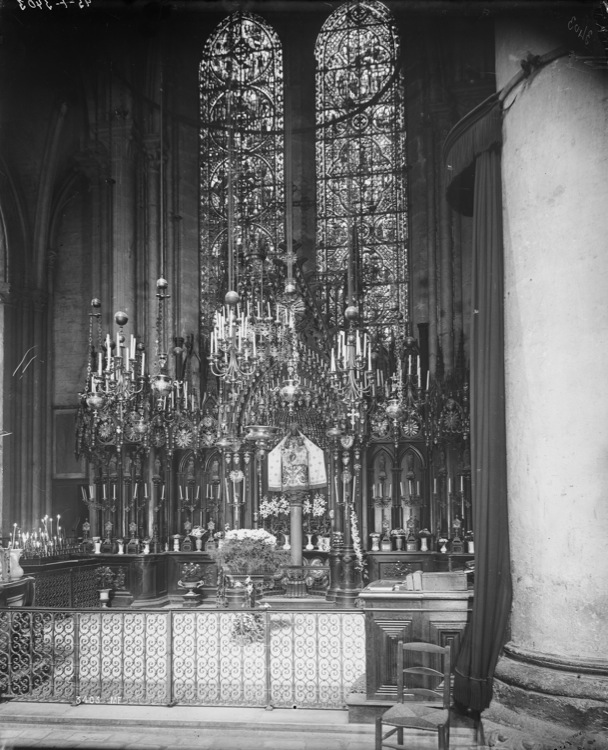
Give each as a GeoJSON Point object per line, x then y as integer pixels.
{"type": "Point", "coordinates": [44, 542]}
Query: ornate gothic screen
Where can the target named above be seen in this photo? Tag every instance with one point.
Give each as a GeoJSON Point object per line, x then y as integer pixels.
{"type": "Point", "coordinates": [242, 168]}
{"type": "Point", "coordinates": [360, 151]}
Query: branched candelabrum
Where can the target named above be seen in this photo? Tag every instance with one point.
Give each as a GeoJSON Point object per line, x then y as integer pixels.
{"type": "Point", "coordinates": [189, 502]}
{"type": "Point", "coordinates": [383, 502]}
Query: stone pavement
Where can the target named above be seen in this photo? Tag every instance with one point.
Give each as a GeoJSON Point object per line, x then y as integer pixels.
{"type": "Point", "coordinates": [25, 725]}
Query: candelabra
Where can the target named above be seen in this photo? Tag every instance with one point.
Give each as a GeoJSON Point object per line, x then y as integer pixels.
{"type": "Point", "coordinates": [351, 372]}
{"type": "Point", "coordinates": [405, 394]}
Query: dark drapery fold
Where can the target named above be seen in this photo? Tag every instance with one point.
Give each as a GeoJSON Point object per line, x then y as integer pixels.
{"type": "Point", "coordinates": [477, 132]}
{"type": "Point", "coordinates": [484, 635]}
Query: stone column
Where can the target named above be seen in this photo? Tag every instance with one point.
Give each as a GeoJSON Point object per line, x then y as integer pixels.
{"type": "Point", "coordinates": [555, 210]}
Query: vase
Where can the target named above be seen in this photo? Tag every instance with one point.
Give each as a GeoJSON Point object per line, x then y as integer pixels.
{"type": "Point", "coordinates": [398, 542]}
{"type": "Point", "coordinates": [146, 548]}
{"type": "Point", "coordinates": [424, 546]}
{"type": "Point", "coordinates": [176, 543]}
{"type": "Point", "coordinates": [323, 544]}
{"type": "Point", "coordinates": [243, 590]}
{"type": "Point", "coordinates": [104, 597]}
{"type": "Point", "coordinates": [121, 548]}
{"type": "Point", "coordinates": [471, 548]}
{"type": "Point", "coordinates": [190, 598]}
{"type": "Point", "coordinates": [198, 543]}
{"type": "Point", "coordinates": [286, 545]}
{"type": "Point", "coordinates": [97, 543]}
{"type": "Point", "coordinates": [309, 544]}
{"type": "Point", "coordinates": [443, 549]}
{"type": "Point", "coordinates": [16, 571]}
{"type": "Point", "coordinates": [375, 542]}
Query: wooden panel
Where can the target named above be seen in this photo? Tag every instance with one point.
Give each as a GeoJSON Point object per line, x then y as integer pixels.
{"type": "Point", "coordinates": [383, 633]}
{"type": "Point", "coordinates": [448, 632]}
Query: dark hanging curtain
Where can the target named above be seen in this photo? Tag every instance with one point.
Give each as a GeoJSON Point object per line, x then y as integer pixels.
{"type": "Point", "coordinates": [472, 153]}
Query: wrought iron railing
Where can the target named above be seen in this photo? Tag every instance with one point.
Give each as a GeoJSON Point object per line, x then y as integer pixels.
{"type": "Point", "coordinates": [278, 658]}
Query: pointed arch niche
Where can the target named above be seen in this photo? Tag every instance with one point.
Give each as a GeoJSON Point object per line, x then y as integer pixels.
{"type": "Point", "coordinates": [242, 207]}
{"type": "Point", "coordinates": [361, 160]}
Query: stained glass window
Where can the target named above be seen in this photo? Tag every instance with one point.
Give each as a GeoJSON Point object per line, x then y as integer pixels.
{"type": "Point", "coordinates": [360, 152]}
{"type": "Point", "coordinates": [242, 167]}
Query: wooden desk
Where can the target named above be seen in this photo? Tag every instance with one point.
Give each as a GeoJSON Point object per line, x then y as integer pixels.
{"type": "Point", "coordinates": [393, 614]}
{"type": "Point", "coordinates": [19, 593]}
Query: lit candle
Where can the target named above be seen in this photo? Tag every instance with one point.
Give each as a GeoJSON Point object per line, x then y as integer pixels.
{"type": "Point", "coordinates": [181, 495]}
{"type": "Point", "coordinates": [99, 363]}
{"type": "Point", "coordinates": [146, 491]}
{"type": "Point", "coordinates": [143, 363]}
{"type": "Point", "coordinates": [162, 494]}
{"type": "Point", "coordinates": [14, 532]}
{"type": "Point", "coordinates": [450, 485]}
{"type": "Point", "coordinates": [461, 483]}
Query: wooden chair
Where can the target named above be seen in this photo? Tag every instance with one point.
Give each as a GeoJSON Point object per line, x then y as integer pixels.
{"type": "Point", "coordinates": [419, 707]}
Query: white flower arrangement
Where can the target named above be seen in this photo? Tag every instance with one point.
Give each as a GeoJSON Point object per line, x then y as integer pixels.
{"type": "Point", "coordinates": [274, 506]}
{"type": "Point", "coordinates": [356, 538]}
{"type": "Point", "coordinates": [316, 508]}
{"type": "Point", "coordinates": [254, 535]}
{"type": "Point", "coordinates": [197, 531]}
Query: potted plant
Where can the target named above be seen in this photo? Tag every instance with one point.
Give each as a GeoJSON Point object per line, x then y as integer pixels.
{"type": "Point", "coordinates": [104, 580]}
{"type": "Point", "coordinates": [424, 535]}
{"type": "Point", "coordinates": [198, 532]}
{"type": "Point", "coordinates": [249, 551]}
{"type": "Point", "coordinates": [191, 578]}
{"type": "Point", "coordinates": [398, 535]}
{"type": "Point", "coordinates": [245, 557]}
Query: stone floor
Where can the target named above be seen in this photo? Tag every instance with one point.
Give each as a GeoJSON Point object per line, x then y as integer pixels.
{"type": "Point", "coordinates": [25, 725]}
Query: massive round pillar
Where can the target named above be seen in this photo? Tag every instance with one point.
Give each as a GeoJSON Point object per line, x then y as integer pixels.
{"type": "Point", "coordinates": [555, 192]}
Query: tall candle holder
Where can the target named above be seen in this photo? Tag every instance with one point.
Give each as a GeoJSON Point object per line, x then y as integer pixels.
{"type": "Point", "coordinates": [382, 502]}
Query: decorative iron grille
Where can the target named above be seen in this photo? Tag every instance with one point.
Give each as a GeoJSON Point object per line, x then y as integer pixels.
{"type": "Point", "coordinates": [195, 657]}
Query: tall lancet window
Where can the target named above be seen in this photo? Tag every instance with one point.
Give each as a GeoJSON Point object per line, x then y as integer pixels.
{"type": "Point", "coordinates": [241, 152]}
{"type": "Point", "coordinates": [360, 151]}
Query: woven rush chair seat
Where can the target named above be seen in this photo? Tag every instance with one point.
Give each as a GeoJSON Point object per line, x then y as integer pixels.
{"type": "Point", "coordinates": [423, 696]}
{"type": "Point", "coordinates": [416, 716]}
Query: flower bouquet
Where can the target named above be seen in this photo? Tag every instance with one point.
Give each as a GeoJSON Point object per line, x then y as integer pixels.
{"type": "Point", "coordinates": [104, 577]}
{"type": "Point", "coordinates": [249, 551]}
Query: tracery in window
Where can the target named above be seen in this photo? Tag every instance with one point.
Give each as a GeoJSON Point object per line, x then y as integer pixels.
{"type": "Point", "coordinates": [242, 167]}
{"type": "Point", "coordinates": [360, 151]}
